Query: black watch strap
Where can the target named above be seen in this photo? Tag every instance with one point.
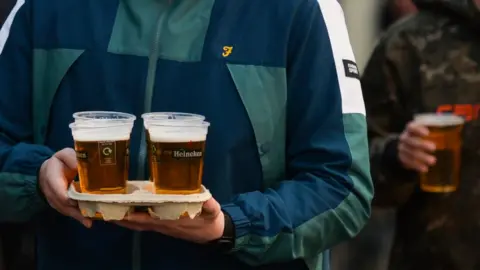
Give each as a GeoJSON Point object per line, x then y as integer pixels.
{"type": "Point", "coordinates": [227, 242]}
{"type": "Point", "coordinates": [39, 189]}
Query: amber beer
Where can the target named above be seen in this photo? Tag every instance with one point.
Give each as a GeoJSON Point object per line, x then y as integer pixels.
{"type": "Point", "coordinates": [102, 148]}
{"type": "Point", "coordinates": [165, 117]}
{"type": "Point", "coordinates": [445, 132]}
{"type": "Point", "coordinates": [177, 154]}
{"type": "Point", "coordinates": [102, 165]}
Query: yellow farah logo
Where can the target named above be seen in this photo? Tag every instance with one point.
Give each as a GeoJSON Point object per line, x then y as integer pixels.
{"type": "Point", "coordinates": [227, 50]}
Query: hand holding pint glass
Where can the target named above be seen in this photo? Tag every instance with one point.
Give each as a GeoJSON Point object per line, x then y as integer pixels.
{"type": "Point", "coordinates": [54, 177]}
{"type": "Point", "coordinates": [431, 145]}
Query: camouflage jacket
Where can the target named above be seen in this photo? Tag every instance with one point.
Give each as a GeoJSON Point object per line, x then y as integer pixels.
{"type": "Point", "coordinates": [428, 62]}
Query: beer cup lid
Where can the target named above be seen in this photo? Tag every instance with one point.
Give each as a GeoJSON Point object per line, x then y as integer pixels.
{"type": "Point", "coordinates": [104, 116]}
{"type": "Point", "coordinates": [179, 124]}
{"type": "Point", "coordinates": [177, 116]}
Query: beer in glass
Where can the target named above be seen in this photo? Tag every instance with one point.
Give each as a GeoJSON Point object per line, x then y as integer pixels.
{"type": "Point", "coordinates": [445, 132]}
{"type": "Point", "coordinates": [102, 149]}
{"type": "Point", "coordinates": [165, 117]}
{"type": "Point", "coordinates": [177, 153]}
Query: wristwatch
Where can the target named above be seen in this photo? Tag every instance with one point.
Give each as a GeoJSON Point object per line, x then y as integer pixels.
{"type": "Point", "coordinates": [39, 189]}
{"type": "Point", "coordinates": [227, 242]}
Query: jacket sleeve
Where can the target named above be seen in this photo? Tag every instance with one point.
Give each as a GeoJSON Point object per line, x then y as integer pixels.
{"type": "Point", "coordinates": [327, 196]}
{"type": "Point", "coordinates": [389, 87]}
{"type": "Point", "coordinates": [19, 158]}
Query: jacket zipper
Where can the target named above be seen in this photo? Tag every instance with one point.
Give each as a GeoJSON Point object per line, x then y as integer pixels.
{"type": "Point", "coordinates": [150, 84]}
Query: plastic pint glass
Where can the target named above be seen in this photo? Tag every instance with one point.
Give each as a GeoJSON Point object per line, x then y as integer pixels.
{"type": "Point", "coordinates": [445, 132]}
{"type": "Point", "coordinates": [165, 117]}
{"type": "Point", "coordinates": [102, 146]}
{"type": "Point", "coordinates": [177, 152]}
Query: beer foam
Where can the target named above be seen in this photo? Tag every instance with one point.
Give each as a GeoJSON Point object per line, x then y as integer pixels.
{"type": "Point", "coordinates": [173, 135]}
{"type": "Point", "coordinates": [439, 120]}
{"type": "Point", "coordinates": [178, 120]}
{"type": "Point", "coordinates": [112, 133]}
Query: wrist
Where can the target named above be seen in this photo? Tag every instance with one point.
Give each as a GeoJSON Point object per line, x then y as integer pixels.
{"type": "Point", "coordinates": [391, 159]}
{"type": "Point", "coordinates": [226, 242]}
{"type": "Point", "coordinates": [229, 227]}
{"type": "Point", "coordinates": [390, 153]}
{"type": "Point", "coordinates": [39, 181]}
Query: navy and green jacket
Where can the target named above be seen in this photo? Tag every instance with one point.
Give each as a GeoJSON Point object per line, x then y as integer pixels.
{"type": "Point", "coordinates": [287, 154]}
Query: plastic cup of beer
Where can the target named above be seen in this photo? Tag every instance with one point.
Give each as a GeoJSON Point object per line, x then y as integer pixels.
{"type": "Point", "coordinates": [169, 117]}
{"type": "Point", "coordinates": [103, 149]}
{"type": "Point", "coordinates": [177, 153]}
{"type": "Point", "coordinates": [446, 133]}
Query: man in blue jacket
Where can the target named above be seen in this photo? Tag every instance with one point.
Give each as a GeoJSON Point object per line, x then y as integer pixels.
{"type": "Point", "coordinates": [287, 155]}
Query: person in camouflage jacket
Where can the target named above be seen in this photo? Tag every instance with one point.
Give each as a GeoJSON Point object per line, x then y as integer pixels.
{"type": "Point", "coordinates": [427, 62]}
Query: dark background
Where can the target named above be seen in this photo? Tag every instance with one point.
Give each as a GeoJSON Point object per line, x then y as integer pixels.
{"type": "Point", "coordinates": [5, 7]}
{"type": "Point", "coordinates": [16, 248]}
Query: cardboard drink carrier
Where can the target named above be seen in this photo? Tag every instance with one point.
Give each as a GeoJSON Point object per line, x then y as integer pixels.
{"type": "Point", "coordinates": [139, 197]}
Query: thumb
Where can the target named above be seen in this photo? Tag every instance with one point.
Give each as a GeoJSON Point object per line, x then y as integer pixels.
{"type": "Point", "coordinates": [76, 214]}
{"type": "Point", "coordinates": [211, 208]}
{"type": "Point", "coordinates": [69, 159]}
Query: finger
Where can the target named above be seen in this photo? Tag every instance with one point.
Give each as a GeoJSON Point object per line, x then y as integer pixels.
{"type": "Point", "coordinates": [417, 129]}
{"type": "Point", "coordinates": [57, 197]}
{"type": "Point", "coordinates": [412, 165]}
{"type": "Point", "coordinates": [423, 158]}
{"type": "Point", "coordinates": [59, 202]}
{"type": "Point", "coordinates": [72, 203]}
{"type": "Point", "coordinates": [69, 159]}
{"type": "Point", "coordinates": [407, 158]}
{"type": "Point", "coordinates": [417, 155]}
{"type": "Point", "coordinates": [59, 193]}
{"type": "Point", "coordinates": [57, 180]}
{"type": "Point", "coordinates": [418, 144]}
{"type": "Point", "coordinates": [411, 161]}
{"type": "Point", "coordinates": [58, 189]}
{"type": "Point", "coordinates": [211, 208]}
{"type": "Point", "coordinates": [75, 214]}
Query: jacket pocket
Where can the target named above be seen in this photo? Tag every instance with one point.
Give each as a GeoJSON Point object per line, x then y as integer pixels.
{"type": "Point", "coordinates": [263, 91]}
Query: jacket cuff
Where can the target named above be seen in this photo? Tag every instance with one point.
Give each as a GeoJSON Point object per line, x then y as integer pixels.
{"type": "Point", "coordinates": [390, 155]}
{"type": "Point", "coordinates": [37, 197]}
{"type": "Point", "coordinates": [241, 223]}
{"type": "Point", "coordinates": [390, 159]}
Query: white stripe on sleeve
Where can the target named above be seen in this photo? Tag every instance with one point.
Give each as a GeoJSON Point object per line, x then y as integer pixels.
{"type": "Point", "coordinates": [350, 88]}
